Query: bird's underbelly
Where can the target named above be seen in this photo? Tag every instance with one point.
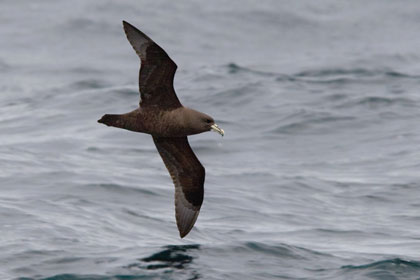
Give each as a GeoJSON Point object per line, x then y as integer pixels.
{"type": "Point", "coordinates": [162, 124]}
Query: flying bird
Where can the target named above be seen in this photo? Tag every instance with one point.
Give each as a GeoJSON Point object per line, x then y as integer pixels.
{"type": "Point", "coordinates": [162, 115]}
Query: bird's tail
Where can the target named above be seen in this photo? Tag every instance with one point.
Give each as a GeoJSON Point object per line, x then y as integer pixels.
{"type": "Point", "coordinates": [112, 120]}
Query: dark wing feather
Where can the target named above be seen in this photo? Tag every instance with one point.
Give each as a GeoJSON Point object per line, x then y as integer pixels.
{"type": "Point", "coordinates": [157, 71]}
{"type": "Point", "coordinates": [188, 176]}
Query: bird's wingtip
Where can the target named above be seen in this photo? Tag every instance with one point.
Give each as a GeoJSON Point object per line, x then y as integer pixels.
{"type": "Point", "coordinates": [128, 25]}
{"type": "Point", "coordinates": [185, 217]}
{"type": "Point", "coordinates": [184, 229]}
{"type": "Point", "coordinates": [104, 119]}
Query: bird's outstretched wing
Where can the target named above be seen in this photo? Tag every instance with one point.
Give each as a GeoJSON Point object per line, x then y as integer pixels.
{"type": "Point", "coordinates": [157, 71]}
{"type": "Point", "coordinates": [188, 176]}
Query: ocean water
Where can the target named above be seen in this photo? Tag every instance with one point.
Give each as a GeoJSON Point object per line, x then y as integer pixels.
{"type": "Point", "coordinates": [317, 176]}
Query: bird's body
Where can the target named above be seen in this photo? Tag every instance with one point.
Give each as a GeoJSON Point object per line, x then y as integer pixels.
{"type": "Point", "coordinates": [156, 122]}
{"type": "Point", "coordinates": [162, 115]}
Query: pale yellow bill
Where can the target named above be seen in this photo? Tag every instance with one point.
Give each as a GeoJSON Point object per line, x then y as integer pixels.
{"type": "Point", "coordinates": [216, 128]}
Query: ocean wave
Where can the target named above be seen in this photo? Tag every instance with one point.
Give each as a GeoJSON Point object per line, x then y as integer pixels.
{"type": "Point", "coordinates": [234, 68]}
{"type": "Point", "coordinates": [374, 102]}
{"type": "Point", "coordinates": [324, 74]}
{"type": "Point", "coordinates": [391, 264]}
{"type": "Point", "coordinates": [355, 72]}
{"type": "Point", "coordinates": [93, 277]}
{"type": "Point", "coordinates": [118, 188]}
{"type": "Point", "coordinates": [175, 256]}
{"type": "Point", "coordinates": [283, 250]}
{"type": "Point", "coordinates": [89, 84]}
{"type": "Point", "coordinates": [305, 122]}
{"type": "Point", "coordinates": [385, 269]}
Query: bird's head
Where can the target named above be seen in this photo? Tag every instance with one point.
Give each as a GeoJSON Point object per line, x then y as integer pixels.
{"type": "Point", "coordinates": [202, 123]}
{"type": "Point", "coordinates": [208, 123]}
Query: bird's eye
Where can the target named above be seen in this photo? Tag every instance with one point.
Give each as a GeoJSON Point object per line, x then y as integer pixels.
{"type": "Point", "coordinates": [208, 121]}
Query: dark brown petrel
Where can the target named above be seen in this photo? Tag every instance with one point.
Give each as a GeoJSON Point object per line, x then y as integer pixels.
{"type": "Point", "coordinates": [163, 116]}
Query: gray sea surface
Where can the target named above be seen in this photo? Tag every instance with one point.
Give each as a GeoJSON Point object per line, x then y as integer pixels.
{"type": "Point", "coordinates": [317, 176]}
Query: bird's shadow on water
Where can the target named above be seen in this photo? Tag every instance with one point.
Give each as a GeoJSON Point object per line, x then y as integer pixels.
{"type": "Point", "coordinates": [176, 257]}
